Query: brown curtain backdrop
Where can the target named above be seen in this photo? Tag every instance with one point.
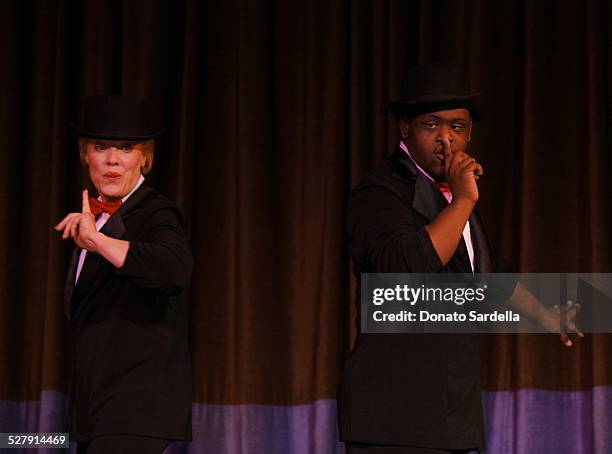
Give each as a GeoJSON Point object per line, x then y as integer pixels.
{"type": "Point", "coordinates": [274, 110]}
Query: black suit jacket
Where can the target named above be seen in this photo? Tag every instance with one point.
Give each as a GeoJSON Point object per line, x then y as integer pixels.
{"type": "Point", "coordinates": [131, 360]}
{"type": "Point", "coordinates": [409, 389]}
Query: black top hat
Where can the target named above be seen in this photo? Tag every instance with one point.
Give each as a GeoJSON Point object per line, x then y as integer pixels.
{"type": "Point", "coordinates": [435, 87]}
{"type": "Point", "coordinates": [115, 117]}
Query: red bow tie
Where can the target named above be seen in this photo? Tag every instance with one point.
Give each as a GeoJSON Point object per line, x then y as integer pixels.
{"type": "Point", "coordinates": [98, 206]}
{"type": "Point", "coordinates": [444, 187]}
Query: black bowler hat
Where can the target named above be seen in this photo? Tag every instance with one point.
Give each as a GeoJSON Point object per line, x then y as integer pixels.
{"type": "Point", "coordinates": [435, 87]}
{"type": "Point", "coordinates": [115, 117]}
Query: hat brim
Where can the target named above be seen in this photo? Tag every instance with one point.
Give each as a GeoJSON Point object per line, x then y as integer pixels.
{"type": "Point", "coordinates": [117, 136]}
{"type": "Point", "coordinates": [421, 106]}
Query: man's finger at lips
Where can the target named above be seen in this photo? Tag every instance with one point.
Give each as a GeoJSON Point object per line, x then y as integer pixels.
{"type": "Point", "coordinates": [446, 149]}
{"type": "Point", "coordinates": [449, 156]}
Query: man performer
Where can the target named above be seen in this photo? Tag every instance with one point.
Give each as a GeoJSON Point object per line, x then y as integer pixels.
{"type": "Point", "coordinates": [415, 393]}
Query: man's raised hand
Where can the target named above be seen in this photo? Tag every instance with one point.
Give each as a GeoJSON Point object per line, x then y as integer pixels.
{"type": "Point", "coordinates": [462, 171]}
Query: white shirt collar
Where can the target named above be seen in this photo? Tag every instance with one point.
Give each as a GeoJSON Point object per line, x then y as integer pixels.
{"type": "Point", "coordinates": [138, 183]}
{"type": "Point", "coordinates": [405, 148]}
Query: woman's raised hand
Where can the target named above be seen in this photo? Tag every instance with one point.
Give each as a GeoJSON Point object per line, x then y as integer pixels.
{"type": "Point", "coordinates": [81, 227]}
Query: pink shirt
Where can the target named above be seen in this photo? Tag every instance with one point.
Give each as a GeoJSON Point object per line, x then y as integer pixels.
{"type": "Point", "coordinates": [467, 235]}
{"type": "Point", "coordinates": [99, 224]}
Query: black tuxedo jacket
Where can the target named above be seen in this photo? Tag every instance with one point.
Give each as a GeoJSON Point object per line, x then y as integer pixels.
{"type": "Point", "coordinates": [131, 360]}
{"type": "Point", "coordinates": [409, 389]}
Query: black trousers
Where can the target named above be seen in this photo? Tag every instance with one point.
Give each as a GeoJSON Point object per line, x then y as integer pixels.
{"type": "Point", "coordinates": [123, 444]}
{"type": "Point", "coordinates": [360, 448]}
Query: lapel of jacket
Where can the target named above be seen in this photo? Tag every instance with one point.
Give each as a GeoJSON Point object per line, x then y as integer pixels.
{"type": "Point", "coordinates": [94, 268]}
{"type": "Point", "coordinates": [428, 200]}
{"type": "Point", "coordinates": [69, 288]}
{"type": "Point", "coordinates": [480, 241]}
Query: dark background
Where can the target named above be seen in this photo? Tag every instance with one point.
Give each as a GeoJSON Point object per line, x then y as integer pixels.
{"type": "Point", "coordinates": [274, 110]}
